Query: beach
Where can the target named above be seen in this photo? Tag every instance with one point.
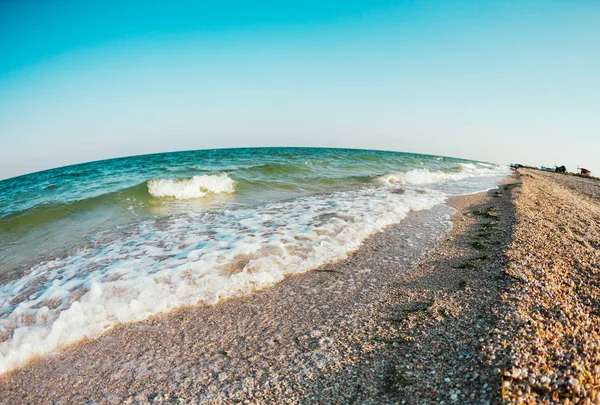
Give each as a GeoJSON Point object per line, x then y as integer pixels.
{"type": "Point", "coordinates": [107, 243]}
{"type": "Point", "coordinates": [502, 308]}
{"type": "Point", "coordinates": [333, 334]}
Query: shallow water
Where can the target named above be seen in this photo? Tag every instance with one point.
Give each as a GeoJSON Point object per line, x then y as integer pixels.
{"type": "Point", "coordinates": [86, 247]}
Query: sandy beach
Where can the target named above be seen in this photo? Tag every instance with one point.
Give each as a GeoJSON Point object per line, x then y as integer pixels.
{"type": "Point", "coordinates": [503, 308]}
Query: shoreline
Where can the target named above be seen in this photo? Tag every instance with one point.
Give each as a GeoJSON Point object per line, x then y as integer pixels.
{"type": "Point", "coordinates": [388, 324]}
{"type": "Point", "coordinates": [501, 309]}
{"type": "Point", "coordinates": [313, 337]}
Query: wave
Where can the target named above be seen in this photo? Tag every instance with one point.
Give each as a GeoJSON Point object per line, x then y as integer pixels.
{"type": "Point", "coordinates": [459, 172]}
{"type": "Point", "coordinates": [46, 213]}
{"type": "Point", "coordinates": [280, 168]}
{"type": "Point", "coordinates": [138, 196]}
{"type": "Point", "coordinates": [153, 193]}
{"type": "Point", "coordinates": [196, 187]}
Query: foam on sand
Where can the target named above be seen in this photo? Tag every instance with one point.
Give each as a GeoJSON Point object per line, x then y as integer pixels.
{"type": "Point", "coordinates": [187, 259]}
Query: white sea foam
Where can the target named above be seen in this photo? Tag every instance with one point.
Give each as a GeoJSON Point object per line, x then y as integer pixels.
{"type": "Point", "coordinates": [187, 259]}
{"type": "Point", "coordinates": [196, 187]}
{"type": "Point", "coordinates": [425, 176]}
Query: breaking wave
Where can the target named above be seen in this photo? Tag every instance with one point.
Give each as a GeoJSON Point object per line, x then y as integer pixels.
{"type": "Point", "coordinates": [460, 172]}
{"type": "Point", "coordinates": [196, 187]}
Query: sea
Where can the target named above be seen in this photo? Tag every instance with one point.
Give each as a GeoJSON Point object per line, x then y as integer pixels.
{"type": "Point", "coordinates": [84, 248]}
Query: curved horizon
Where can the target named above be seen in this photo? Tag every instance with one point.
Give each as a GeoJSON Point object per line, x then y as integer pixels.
{"type": "Point", "coordinates": [241, 148]}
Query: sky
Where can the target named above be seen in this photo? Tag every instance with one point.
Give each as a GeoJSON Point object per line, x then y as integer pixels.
{"type": "Point", "coordinates": [499, 81]}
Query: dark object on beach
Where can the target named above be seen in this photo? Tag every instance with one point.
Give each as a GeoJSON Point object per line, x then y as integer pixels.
{"type": "Point", "coordinates": [327, 271]}
{"type": "Point", "coordinates": [585, 172]}
{"type": "Point", "coordinates": [516, 165]}
{"type": "Point", "coordinates": [398, 191]}
{"type": "Point", "coordinates": [561, 169]}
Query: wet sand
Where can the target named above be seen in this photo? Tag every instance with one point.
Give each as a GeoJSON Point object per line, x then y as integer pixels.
{"type": "Point", "coordinates": [279, 343]}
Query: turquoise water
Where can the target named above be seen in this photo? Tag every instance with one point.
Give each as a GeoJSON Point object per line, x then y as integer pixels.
{"type": "Point", "coordinates": [286, 171]}
{"type": "Point", "coordinates": [52, 210]}
{"type": "Point", "coordinates": [86, 247]}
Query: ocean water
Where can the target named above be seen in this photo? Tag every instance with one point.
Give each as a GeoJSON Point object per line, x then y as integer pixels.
{"type": "Point", "coordinates": [86, 247]}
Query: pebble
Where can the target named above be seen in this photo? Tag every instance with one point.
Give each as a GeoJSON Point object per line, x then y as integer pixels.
{"type": "Point", "coordinates": [549, 314]}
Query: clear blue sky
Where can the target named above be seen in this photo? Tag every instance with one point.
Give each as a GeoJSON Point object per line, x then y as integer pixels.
{"type": "Point", "coordinates": [502, 81]}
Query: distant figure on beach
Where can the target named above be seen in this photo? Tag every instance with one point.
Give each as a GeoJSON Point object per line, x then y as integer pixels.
{"type": "Point", "coordinates": [561, 169]}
